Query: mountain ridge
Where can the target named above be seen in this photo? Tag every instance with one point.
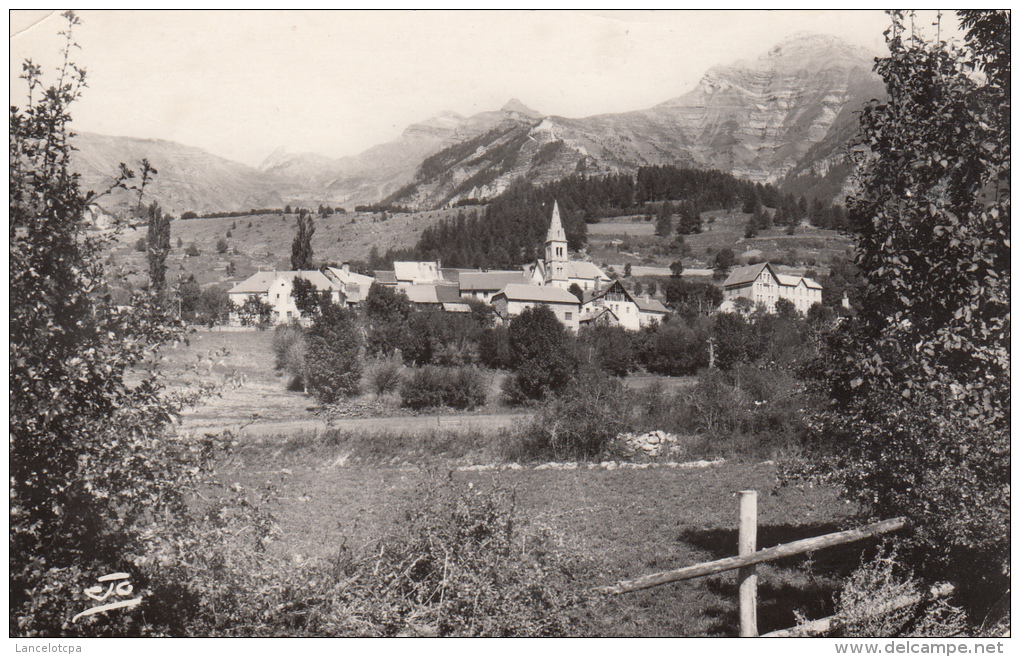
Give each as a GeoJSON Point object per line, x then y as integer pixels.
{"type": "Point", "coordinates": [781, 118]}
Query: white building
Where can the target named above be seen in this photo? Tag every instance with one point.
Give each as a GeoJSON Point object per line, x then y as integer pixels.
{"type": "Point", "coordinates": [355, 285]}
{"type": "Point", "coordinates": [275, 288]}
{"type": "Point", "coordinates": [762, 285]}
{"type": "Point", "coordinates": [418, 273]}
{"type": "Point", "coordinates": [515, 298]}
{"type": "Point", "coordinates": [631, 312]}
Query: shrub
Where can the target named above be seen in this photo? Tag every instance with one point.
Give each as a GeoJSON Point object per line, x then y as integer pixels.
{"type": "Point", "coordinates": [430, 387]}
{"type": "Point", "coordinates": [332, 364]}
{"type": "Point", "coordinates": [540, 356]}
{"type": "Point", "coordinates": [222, 245]}
{"type": "Point", "coordinates": [494, 348]}
{"type": "Point", "coordinates": [884, 582]}
{"type": "Point", "coordinates": [141, 245]}
{"type": "Point", "coordinates": [732, 336]}
{"type": "Point", "coordinates": [459, 564]}
{"type": "Point", "coordinates": [386, 376]}
{"type": "Point", "coordinates": [581, 423]}
{"type": "Point", "coordinates": [192, 251]}
{"type": "Point", "coordinates": [712, 406]}
{"type": "Point", "coordinates": [675, 348]}
{"type": "Point", "coordinates": [609, 348]}
{"type": "Point", "coordinates": [255, 312]}
{"type": "Point", "coordinates": [289, 352]}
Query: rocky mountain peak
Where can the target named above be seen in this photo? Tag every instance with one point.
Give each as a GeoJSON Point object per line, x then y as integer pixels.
{"type": "Point", "coordinates": [809, 53]}
{"type": "Point", "coordinates": [515, 105]}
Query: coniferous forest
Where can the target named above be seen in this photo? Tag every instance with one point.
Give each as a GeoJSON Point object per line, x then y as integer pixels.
{"type": "Point", "coordinates": [510, 230]}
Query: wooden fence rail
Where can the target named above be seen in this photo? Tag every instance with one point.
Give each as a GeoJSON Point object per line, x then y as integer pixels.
{"type": "Point", "coordinates": [748, 557]}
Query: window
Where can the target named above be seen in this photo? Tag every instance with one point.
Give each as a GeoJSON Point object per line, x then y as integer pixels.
{"type": "Point", "coordinates": [568, 315]}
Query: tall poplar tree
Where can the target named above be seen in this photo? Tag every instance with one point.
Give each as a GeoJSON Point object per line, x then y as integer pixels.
{"type": "Point", "coordinates": [301, 248]}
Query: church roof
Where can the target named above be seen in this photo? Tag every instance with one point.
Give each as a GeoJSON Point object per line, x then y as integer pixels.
{"type": "Point", "coordinates": [556, 232]}
{"type": "Point", "coordinates": [582, 269]}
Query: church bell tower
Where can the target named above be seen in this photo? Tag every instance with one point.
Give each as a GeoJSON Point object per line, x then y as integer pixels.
{"type": "Point", "coordinates": [556, 251]}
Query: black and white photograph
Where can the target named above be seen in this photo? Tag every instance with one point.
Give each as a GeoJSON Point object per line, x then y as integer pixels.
{"type": "Point", "coordinates": [435, 324]}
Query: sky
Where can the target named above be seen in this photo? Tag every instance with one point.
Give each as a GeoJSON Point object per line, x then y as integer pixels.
{"type": "Point", "coordinates": [241, 84]}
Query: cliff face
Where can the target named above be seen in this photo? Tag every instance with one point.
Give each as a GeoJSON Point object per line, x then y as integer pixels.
{"type": "Point", "coordinates": [783, 118]}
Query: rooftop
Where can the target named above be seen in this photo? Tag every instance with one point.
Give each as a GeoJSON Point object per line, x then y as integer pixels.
{"type": "Point", "coordinates": [543, 293]}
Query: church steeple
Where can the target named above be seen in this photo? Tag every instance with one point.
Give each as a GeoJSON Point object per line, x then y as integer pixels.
{"type": "Point", "coordinates": [555, 249]}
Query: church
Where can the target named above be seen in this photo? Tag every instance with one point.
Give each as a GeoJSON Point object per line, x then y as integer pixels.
{"type": "Point", "coordinates": [557, 270]}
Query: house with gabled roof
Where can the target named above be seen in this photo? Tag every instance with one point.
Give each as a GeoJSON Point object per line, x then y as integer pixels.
{"type": "Point", "coordinates": [442, 296]}
{"type": "Point", "coordinates": [631, 311]}
{"type": "Point", "coordinates": [513, 299]}
{"type": "Point", "coordinates": [482, 285]}
{"type": "Point", "coordinates": [600, 317]}
{"type": "Point", "coordinates": [275, 288]}
{"type": "Point", "coordinates": [761, 284]}
{"type": "Point", "coordinates": [355, 285]}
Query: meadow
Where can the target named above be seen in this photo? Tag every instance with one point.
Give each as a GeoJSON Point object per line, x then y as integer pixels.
{"type": "Point", "coordinates": [335, 490]}
{"type": "Point", "coordinates": [607, 524]}
{"type": "Point", "coordinates": [632, 240]}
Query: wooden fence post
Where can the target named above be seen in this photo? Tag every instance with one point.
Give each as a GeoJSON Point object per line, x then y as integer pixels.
{"type": "Point", "coordinates": [747, 575]}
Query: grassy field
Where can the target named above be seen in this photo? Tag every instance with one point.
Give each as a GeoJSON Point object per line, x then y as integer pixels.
{"type": "Point", "coordinates": [632, 240]}
{"type": "Point", "coordinates": [353, 488]}
{"type": "Point", "coordinates": [263, 241]}
{"type": "Point", "coordinates": [616, 524]}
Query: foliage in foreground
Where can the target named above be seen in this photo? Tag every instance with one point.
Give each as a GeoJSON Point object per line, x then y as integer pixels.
{"type": "Point", "coordinates": [882, 585]}
{"type": "Point", "coordinates": [919, 382]}
{"type": "Point", "coordinates": [459, 563]}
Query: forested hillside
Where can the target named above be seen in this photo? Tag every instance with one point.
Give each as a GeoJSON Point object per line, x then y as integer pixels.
{"type": "Point", "coordinates": [511, 229]}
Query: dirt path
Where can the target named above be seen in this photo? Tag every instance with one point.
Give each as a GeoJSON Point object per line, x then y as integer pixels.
{"type": "Point", "coordinates": [452, 423]}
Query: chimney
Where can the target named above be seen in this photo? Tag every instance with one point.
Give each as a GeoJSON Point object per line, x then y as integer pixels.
{"type": "Point", "coordinates": [346, 267]}
{"type": "Point", "coordinates": [846, 301]}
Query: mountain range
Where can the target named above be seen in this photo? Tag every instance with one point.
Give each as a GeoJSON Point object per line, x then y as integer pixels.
{"type": "Point", "coordinates": [783, 118]}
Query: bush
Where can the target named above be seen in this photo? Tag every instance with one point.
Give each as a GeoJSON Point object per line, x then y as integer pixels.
{"type": "Point", "coordinates": [255, 312]}
{"type": "Point", "coordinates": [221, 245]}
{"type": "Point", "coordinates": [883, 582]}
{"type": "Point", "coordinates": [192, 251]}
{"type": "Point", "coordinates": [431, 387]}
{"type": "Point", "coordinates": [289, 352]}
{"type": "Point", "coordinates": [582, 423]}
{"type": "Point", "coordinates": [458, 565]}
{"type": "Point", "coordinates": [541, 356]}
{"type": "Point", "coordinates": [141, 246]}
{"type": "Point", "coordinates": [609, 348]}
{"type": "Point", "coordinates": [494, 348]}
{"type": "Point", "coordinates": [332, 364]}
{"type": "Point", "coordinates": [386, 376]}
{"type": "Point", "coordinates": [675, 348]}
